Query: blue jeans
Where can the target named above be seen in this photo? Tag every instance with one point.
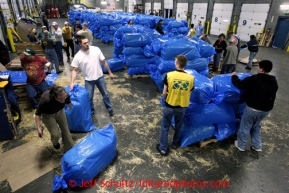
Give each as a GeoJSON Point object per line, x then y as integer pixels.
{"type": "Point", "coordinates": [58, 49]}
{"type": "Point", "coordinates": [179, 114]}
{"type": "Point", "coordinates": [251, 123]}
{"type": "Point", "coordinates": [52, 57]}
{"type": "Point", "coordinates": [227, 68]}
{"type": "Point", "coordinates": [217, 58]}
{"type": "Point", "coordinates": [77, 47]}
{"type": "Point", "coordinates": [32, 91]}
{"type": "Point", "coordinates": [251, 57]}
{"type": "Point", "coordinates": [101, 85]}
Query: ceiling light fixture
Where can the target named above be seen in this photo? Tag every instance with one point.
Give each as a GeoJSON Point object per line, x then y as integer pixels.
{"type": "Point", "coordinates": [103, 2]}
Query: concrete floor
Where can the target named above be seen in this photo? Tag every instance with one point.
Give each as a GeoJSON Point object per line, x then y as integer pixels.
{"type": "Point", "coordinates": [137, 122]}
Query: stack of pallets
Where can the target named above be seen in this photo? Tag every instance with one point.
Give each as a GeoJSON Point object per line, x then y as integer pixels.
{"type": "Point", "coordinates": [264, 39]}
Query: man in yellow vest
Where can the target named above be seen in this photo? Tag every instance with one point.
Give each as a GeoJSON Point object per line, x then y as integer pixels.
{"type": "Point", "coordinates": [68, 40]}
{"type": "Point", "coordinates": [177, 91]}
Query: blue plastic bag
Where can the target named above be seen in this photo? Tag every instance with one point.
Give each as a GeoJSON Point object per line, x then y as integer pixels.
{"type": "Point", "coordinates": [16, 76]}
{"type": "Point", "coordinates": [224, 131]}
{"type": "Point", "coordinates": [114, 64]}
{"type": "Point", "coordinates": [223, 84]}
{"type": "Point", "coordinates": [203, 88]}
{"type": "Point", "coordinates": [137, 61]}
{"type": "Point", "coordinates": [127, 51]}
{"type": "Point", "coordinates": [207, 114]}
{"type": "Point", "coordinates": [79, 117]}
{"type": "Point", "coordinates": [177, 46]}
{"type": "Point", "coordinates": [50, 78]}
{"type": "Point", "coordinates": [135, 39]}
{"type": "Point", "coordinates": [192, 133]}
{"type": "Point", "coordinates": [88, 158]}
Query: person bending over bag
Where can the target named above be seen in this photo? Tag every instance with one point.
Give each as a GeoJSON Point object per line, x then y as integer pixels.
{"type": "Point", "coordinates": [51, 110]}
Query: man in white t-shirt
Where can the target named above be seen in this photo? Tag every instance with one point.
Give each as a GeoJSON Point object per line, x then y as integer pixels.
{"type": "Point", "coordinates": [88, 61]}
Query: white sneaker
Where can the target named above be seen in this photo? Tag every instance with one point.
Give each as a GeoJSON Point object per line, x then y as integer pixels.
{"type": "Point", "coordinates": [255, 149]}
{"type": "Point", "coordinates": [236, 145]}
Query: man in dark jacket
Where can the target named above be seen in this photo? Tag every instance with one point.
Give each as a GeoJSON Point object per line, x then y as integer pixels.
{"type": "Point", "coordinates": [260, 96]}
{"type": "Point", "coordinates": [253, 48]}
{"type": "Point", "coordinates": [159, 27]}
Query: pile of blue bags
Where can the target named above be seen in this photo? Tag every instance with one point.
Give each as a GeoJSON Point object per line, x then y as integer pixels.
{"type": "Point", "coordinates": [141, 48]}
{"type": "Point", "coordinates": [216, 107]}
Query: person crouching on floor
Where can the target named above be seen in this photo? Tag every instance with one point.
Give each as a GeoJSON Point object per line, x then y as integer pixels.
{"type": "Point", "coordinates": [51, 110]}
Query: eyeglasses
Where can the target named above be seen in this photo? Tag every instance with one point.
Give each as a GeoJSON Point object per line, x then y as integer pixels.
{"type": "Point", "coordinates": [62, 98]}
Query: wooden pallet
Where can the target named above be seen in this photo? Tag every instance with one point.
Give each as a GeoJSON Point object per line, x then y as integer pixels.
{"type": "Point", "coordinates": [208, 141]}
{"type": "Point", "coordinates": [264, 39]}
{"type": "Point", "coordinates": [141, 76]}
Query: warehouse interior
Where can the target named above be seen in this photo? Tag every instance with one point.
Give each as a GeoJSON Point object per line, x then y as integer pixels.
{"type": "Point", "coordinates": [29, 163]}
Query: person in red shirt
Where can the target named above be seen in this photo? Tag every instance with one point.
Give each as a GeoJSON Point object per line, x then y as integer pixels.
{"type": "Point", "coordinates": [34, 67]}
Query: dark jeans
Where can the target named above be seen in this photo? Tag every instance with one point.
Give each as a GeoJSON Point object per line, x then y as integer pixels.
{"type": "Point", "coordinates": [101, 85]}
{"type": "Point", "coordinates": [58, 49]}
{"type": "Point", "coordinates": [169, 113]}
{"type": "Point", "coordinates": [227, 68]}
{"type": "Point", "coordinates": [32, 91]}
{"type": "Point", "coordinates": [70, 44]}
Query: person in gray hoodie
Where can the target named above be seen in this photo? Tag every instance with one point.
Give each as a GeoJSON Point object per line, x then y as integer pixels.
{"type": "Point", "coordinates": [230, 59]}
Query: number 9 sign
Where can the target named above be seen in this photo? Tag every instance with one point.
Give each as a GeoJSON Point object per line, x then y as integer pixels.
{"type": "Point", "coordinates": [244, 22]}
{"type": "Point", "coordinates": [216, 19]}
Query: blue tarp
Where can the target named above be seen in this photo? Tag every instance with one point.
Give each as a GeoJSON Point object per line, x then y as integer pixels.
{"type": "Point", "coordinates": [135, 39]}
{"type": "Point", "coordinates": [207, 114]}
{"type": "Point", "coordinates": [192, 133]}
{"type": "Point", "coordinates": [87, 159]}
{"type": "Point", "coordinates": [114, 64]}
{"type": "Point", "coordinates": [79, 117]}
{"type": "Point", "coordinates": [203, 88]}
{"type": "Point", "coordinates": [174, 47]}
{"type": "Point", "coordinates": [224, 85]}
{"type": "Point", "coordinates": [137, 61]}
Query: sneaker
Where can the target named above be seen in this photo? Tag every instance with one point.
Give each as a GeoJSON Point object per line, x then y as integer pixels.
{"type": "Point", "coordinates": [56, 146]}
{"type": "Point", "coordinates": [111, 113]}
{"type": "Point", "coordinates": [162, 152]}
{"type": "Point", "coordinates": [60, 71]}
{"type": "Point", "coordinates": [236, 145]}
{"type": "Point", "coordinates": [248, 68]}
{"type": "Point", "coordinates": [255, 149]}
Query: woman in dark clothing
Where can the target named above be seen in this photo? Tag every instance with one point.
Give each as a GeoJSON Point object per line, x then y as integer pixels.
{"type": "Point", "coordinates": [219, 45]}
{"type": "Point", "coordinates": [253, 48]}
{"type": "Point", "coordinates": [51, 111]}
{"type": "Point", "coordinates": [159, 27]}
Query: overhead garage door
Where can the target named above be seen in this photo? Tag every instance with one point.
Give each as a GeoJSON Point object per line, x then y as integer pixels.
{"type": "Point", "coordinates": [182, 9]}
{"type": "Point", "coordinates": [199, 13]}
{"type": "Point", "coordinates": [252, 20]}
{"type": "Point", "coordinates": [169, 4]}
{"type": "Point", "coordinates": [157, 7]}
{"type": "Point", "coordinates": [221, 18]}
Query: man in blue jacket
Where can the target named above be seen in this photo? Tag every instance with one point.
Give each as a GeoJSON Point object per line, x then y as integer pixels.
{"type": "Point", "coordinates": [253, 48]}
